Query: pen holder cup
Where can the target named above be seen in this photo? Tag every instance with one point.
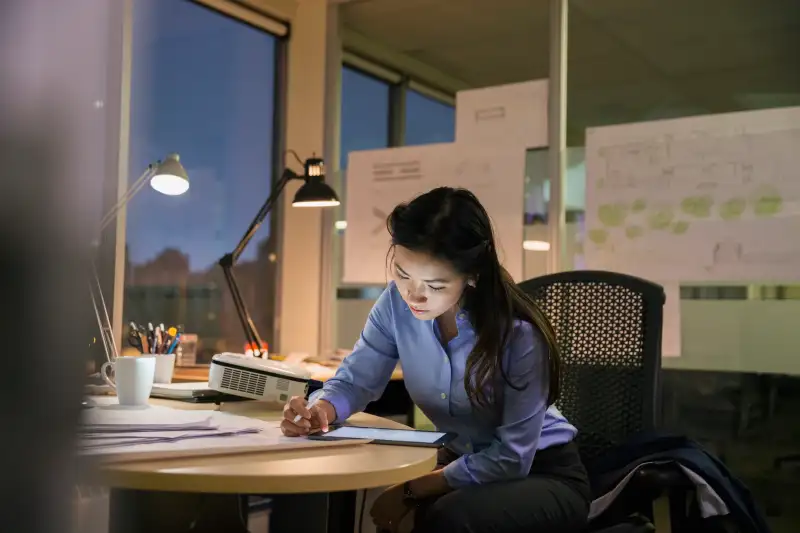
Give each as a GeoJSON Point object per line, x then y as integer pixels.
{"type": "Point", "coordinates": [165, 366]}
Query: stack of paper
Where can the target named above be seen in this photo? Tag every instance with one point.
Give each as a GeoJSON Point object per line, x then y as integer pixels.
{"type": "Point", "coordinates": [104, 428]}
{"type": "Point", "coordinates": [116, 435]}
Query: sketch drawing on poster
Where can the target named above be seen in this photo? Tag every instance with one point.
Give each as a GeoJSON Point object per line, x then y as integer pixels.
{"type": "Point", "coordinates": [712, 198]}
{"type": "Point", "coordinates": [378, 180]}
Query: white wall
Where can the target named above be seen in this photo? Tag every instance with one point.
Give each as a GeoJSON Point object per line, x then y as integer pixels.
{"type": "Point", "coordinates": [739, 336]}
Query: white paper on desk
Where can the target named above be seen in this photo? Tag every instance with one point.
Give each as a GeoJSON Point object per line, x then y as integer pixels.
{"type": "Point", "coordinates": [233, 432]}
{"type": "Point", "coordinates": [154, 418]}
{"type": "Point", "coordinates": [268, 438]}
{"type": "Point", "coordinates": [671, 332]}
{"type": "Point", "coordinates": [117, 441]}
{"type": "Point", "coordinates": [296, 358]}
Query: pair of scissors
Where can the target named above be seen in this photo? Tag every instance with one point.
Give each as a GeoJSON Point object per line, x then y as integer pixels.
{"type": "Point", "coordinates": [135, 338]}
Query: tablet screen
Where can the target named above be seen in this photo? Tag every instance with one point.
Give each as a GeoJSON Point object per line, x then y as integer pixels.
{"type": "Point", "coordinates": [394, 435]}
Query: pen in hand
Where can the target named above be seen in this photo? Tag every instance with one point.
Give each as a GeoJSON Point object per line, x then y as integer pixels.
{"type": "Point", "coordinates": [323, 427]}
{"type": "Point", "coordinates": [311, 404]}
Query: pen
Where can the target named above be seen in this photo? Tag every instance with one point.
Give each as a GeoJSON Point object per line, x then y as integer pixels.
{"type": "Point", "coordinates": [174, 341]}
{"type": "Point", "coordinates": [309, 406]}
{"type": "Point", "coordinates": [151, 337]}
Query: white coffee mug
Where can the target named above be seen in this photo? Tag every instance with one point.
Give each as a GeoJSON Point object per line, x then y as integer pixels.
{"type": "Point", "coordinates": [165, 366]}
{"type": "Point", "coordinates": [133, 378]}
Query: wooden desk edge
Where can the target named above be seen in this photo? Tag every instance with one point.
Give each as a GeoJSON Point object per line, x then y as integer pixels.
{"type": "Point", "coordinates": [192, 474]}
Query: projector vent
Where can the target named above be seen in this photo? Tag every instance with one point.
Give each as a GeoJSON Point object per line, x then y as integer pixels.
{"type": "Point", "coordinates": [243, 381]}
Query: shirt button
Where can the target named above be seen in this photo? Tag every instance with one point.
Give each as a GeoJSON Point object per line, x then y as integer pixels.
{"type": "Point", "coordinates": [469, 446]}
{"type": "Point", "coordinates": [461, 316]}
{"type": "Point", "coordinates": [444, 396]}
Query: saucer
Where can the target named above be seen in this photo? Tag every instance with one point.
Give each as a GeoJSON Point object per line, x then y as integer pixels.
{"type": "Point", "coordinates": [118, 407]}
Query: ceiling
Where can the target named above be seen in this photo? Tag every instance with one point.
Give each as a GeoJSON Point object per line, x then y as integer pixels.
{"type": "Point", "coordinates": [629, 60]}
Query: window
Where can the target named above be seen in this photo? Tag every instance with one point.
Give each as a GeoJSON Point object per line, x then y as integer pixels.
{"type": "Point", "coordinates": [365, 124]}
{"type": "Point", "coordinates": [428, 120]}
{"type": "Point", "coordinates": [365, 113]}
{"type": "Point", "coordinates": [203, 86]}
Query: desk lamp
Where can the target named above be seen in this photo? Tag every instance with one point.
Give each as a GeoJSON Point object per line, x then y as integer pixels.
{"type": "Point", "coordinates": [167, 177]}
{"type": "Point", "coordinates": [313, 193]}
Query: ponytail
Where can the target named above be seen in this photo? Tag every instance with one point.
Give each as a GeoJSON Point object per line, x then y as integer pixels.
{"type": "Point", "coordinates": [494, 304]}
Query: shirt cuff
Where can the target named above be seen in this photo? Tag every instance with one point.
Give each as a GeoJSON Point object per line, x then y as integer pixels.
{"type": "Point", "coordinates": [457, 473]}
{"type": "Point", "coordinates": [339, 403]}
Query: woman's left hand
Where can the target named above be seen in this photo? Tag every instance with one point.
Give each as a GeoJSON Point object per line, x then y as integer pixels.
{"type": "Point", "coordinates": [390, 508]}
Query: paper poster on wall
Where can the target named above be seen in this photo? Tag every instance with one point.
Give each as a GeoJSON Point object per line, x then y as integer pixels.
{"type": "Point", "coordinates": [378, 180]}
{"type": "Point", "coordinates": [713, 198]}
{"type": "Point", "coordinates": [671, 332]}
{"type": "Point", "coordinates": [508, 115]}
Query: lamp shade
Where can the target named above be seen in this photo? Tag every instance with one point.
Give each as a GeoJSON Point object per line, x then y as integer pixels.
{"type": "Point", "coordinates": [170, 177]}
{"type": "Point", "coordinates": [315, 193]}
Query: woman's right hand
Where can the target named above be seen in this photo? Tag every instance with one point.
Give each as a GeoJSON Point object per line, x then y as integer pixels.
{"type": "Point", "coordinates": [312, 419]}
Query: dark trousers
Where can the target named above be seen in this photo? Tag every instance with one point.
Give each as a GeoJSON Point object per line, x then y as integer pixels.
{"type": "Point", "coordinates": [554, 498]}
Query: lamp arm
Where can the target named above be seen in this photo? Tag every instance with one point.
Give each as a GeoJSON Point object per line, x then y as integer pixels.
{"type": "Point", "coordinates": [228, 260]}
{"type": "Point", "coordinates": [103, 320]}
{"type": "Point", "coordinates": [95, 290]}
{"type": "Point", "coordinates": [248, 326]}
{"type": "Point", "coordinates": [287, 176]}
{"type": "Point", "coordinates": [132, 191]}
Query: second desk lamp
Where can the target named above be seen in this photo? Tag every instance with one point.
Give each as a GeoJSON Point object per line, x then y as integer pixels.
{"type": "Point", "coordinates": [313, 193]}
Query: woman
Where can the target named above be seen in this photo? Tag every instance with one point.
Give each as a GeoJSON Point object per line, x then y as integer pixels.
{"type": "Point", "coordinates": [480, 359]}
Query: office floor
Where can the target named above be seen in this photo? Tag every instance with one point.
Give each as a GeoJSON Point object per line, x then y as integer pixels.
{"type": "Point", "coordinates": [748, 421]}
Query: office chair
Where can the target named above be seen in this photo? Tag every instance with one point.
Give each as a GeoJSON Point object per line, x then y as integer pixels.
{"type": "Point", "coordinates": [608, 326]}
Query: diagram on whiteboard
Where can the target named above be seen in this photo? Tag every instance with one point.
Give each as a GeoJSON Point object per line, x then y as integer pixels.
{"type": "Point", "coordinates": [378, 180]}
{"type": "Point", "coordinates": [696, 199]}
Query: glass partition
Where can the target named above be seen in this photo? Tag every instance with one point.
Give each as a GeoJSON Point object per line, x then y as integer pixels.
{"type": "Point", "coordinates": [735, 386]}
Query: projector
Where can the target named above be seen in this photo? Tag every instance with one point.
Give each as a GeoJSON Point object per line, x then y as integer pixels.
{"type": "Point", "coordinates": [256, 378]}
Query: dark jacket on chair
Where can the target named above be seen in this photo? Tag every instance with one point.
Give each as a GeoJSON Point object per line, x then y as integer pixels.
{"type": "Point", "coordinates": [608, 470]}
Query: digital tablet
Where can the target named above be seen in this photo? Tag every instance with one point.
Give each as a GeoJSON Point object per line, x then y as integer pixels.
{"type": "Point", "coordinates": [400, 437]}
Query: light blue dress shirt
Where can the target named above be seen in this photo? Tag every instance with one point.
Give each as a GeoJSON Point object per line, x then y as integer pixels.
{"type": "Point", "coordinates": [493, 445]}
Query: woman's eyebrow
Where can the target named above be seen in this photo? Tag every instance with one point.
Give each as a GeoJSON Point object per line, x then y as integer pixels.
{"type": "Point", "coordinates": [437, 280]}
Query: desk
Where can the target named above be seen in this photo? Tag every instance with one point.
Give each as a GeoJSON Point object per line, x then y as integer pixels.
{"type": "Point", "coordinates": [297, 480]}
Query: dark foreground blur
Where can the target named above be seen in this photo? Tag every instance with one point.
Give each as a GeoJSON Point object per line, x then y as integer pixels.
{"type": "Point", "coordinates": [44, 303]}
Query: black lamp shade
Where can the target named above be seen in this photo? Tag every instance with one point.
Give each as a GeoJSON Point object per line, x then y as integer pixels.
{"type": "Point", "coordinates": [315, 193]}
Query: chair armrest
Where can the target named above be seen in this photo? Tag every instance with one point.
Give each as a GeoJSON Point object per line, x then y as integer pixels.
{"type": "Point", "coordinates": [661, 477]}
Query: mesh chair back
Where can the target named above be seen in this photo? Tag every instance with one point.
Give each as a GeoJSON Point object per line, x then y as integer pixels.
{"type": "Point", "coordinates": [609, 329]}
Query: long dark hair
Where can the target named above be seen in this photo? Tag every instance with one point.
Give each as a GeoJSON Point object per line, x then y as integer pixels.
{"type": "Point", "coordinates": [451, 224]}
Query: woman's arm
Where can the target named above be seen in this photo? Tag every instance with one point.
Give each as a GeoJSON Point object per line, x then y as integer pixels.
{"type": "Point", "coordinates": [510, 456]}
{"type": "Point", "coordinates": [364, 373]}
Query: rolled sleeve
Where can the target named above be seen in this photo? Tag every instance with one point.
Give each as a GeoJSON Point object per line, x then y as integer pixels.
{"type": "Point", "coordinates": [364, 374]}
{"type": "Point", "coordinates": [511, 454]}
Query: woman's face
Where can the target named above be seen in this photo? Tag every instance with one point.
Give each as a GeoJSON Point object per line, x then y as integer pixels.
{"type": "Point", "coordinates": [428, 285]}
